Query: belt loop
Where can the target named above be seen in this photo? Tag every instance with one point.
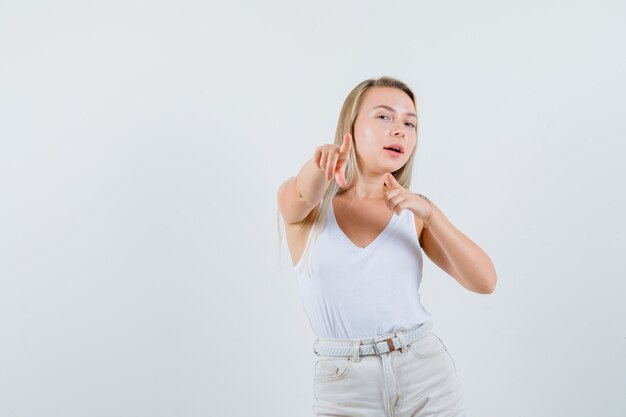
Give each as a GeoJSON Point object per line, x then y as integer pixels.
{"type": "Point", "coordinates": [355, 350]}
{"type": "Point", "coordinates": [401, 340]}
{"type": "Point", "coordinates": [317, 339]}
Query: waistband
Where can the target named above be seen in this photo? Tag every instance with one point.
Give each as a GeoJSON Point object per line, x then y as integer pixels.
{"type": "Point", "coordinates": [372, 346]}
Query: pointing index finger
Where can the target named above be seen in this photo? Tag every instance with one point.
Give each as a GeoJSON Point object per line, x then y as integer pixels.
{"type": "Point", "coordinates": [392, 180]}
{"type": "Point", "coordinates": [347, 142]}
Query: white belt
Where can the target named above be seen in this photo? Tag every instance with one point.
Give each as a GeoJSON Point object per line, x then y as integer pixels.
{"type": "Point", "coordinates": [397, 341]}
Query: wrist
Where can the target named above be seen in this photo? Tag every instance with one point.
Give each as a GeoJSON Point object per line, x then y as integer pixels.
{"type": "Point", "coordinates": [430, 214]}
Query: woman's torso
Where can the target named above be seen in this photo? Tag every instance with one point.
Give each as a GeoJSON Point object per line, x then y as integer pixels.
{"type": "Point", "coordinates": [364, 271]}
{"type": "Point", "coordinates": [361, 223]}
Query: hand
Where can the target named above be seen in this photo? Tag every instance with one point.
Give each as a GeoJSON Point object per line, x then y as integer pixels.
{"type": "Point", "coordinates": [398, 198]}
{"type": "Point", "coordinates": [332, 159]}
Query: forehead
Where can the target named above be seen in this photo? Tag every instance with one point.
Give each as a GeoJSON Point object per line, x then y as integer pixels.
{"type": "Point", "coordinates": [392, 97]}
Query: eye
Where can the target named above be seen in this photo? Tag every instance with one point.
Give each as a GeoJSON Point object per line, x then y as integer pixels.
{"type": "Point", "coordinates": [383, 115]}
{"type": "Point", "coordinates": [410, 124]}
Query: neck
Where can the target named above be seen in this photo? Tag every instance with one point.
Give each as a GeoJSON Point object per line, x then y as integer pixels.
{"type": "Point", "coordinates": [368, 189]}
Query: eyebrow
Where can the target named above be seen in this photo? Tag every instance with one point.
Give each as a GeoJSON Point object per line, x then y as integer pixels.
{"type": "Point", "coordinates": [392, 110]}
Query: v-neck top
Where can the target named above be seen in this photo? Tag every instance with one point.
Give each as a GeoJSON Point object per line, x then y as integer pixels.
{"type": "Point", "coordinates": [350, 292]}
{"type": "Point", "coordinates": [372, 244]}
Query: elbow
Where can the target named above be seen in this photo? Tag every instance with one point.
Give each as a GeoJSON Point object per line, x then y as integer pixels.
{"type": "Point", "coordinates": [482, 282]}
{"type": "Point", "coordinates": [489, 281]}
{"type": "Point", "coordinates": [482, 285]}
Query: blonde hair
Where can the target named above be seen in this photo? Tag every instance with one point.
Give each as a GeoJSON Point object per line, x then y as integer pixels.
{"type": "Point", "coordinates": [345, 124]}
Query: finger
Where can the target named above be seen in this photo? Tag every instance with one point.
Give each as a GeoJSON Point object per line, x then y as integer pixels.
{"type": "Point", "coordinates": [341, 180]}
{"type": "Point", "coordinates": [396, 204]}
{"type": "Point", "coordinates": [399, 207]}
{"type": "Point", "coordinates": [341, 175]}
{"type": "Point", "coordinates": [390, 204]}
{"type": "Point", "coordinates": [389, 194]}
{"type": "Point", "coordinates": [333, 164]}
{"type": "Point", "coordinates": [347, 142]}
{"type": "Point", "coordinates": [323, 160]}
{"type": "Point", "coordinates": [329, 164]}
{"type": "Point", "coordinates": [393, 183]}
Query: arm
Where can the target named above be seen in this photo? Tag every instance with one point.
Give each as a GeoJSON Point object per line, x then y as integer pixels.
{"type": "Point", "coordinates": [458, 255]}
{"type": "Point", "coordinates": [298, 195]}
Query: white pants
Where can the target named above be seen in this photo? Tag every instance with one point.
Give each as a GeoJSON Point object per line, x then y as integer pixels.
{"type": "Point", "coordinates": [420, 381]}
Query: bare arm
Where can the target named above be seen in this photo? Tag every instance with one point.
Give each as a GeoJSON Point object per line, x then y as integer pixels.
{"type": "Point", "coordinates": [463, 259]}
{"type": "Point", "coordinates": [299, 195]}
{"type": "Point", "coordinates": [311, 183]}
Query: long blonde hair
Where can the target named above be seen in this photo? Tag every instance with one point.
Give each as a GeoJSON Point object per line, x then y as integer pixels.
{"type": "Point", "coordinates": [345, 124]}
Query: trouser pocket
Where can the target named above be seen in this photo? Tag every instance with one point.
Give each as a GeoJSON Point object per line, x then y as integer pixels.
{"type": "Point", "coordinates": [331, 369]}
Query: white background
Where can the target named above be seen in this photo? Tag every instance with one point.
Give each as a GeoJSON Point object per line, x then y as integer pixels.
{"type": "Point", "coordinates": [142, 145]}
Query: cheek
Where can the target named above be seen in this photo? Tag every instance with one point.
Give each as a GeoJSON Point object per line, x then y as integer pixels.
{"type": "Point", "coordinates": [413, 142]}
{"type": "Point", "coordinates": [365, 138]}
{"type": "Point", "coordinates": [371, 136]}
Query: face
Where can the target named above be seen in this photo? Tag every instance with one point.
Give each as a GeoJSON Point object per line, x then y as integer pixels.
{"type": "Point", "coordinates": [386, 117]}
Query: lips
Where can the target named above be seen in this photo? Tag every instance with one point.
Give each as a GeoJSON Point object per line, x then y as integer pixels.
{"type": "Point", "coordinates": [397, 146]}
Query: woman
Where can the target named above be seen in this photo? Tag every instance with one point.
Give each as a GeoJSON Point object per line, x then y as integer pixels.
{"type": "Point", "coordinates": [357, 244]}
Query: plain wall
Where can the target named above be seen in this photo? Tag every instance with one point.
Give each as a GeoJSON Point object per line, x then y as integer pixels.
{"type": "Point", "coordinates": [142, 145]}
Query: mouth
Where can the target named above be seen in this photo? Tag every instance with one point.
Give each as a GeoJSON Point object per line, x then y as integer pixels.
{"type": "Point", "coordinates": [396, 147]}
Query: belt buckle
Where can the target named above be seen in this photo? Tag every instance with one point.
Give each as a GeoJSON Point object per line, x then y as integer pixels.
{"type": "Point", "coordinates": [389, 341]}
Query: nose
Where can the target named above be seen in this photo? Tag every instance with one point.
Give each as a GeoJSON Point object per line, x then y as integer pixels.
{"type": "Point", "coordinates": [398, 132]}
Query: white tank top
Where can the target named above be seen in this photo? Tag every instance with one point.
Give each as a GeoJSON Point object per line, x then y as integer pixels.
{"type": "Point", "coordinates": [358, 293]}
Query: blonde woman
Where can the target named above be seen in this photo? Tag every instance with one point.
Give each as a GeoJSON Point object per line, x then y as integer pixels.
{"type": "Point", "coordinates": [356, 234]}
